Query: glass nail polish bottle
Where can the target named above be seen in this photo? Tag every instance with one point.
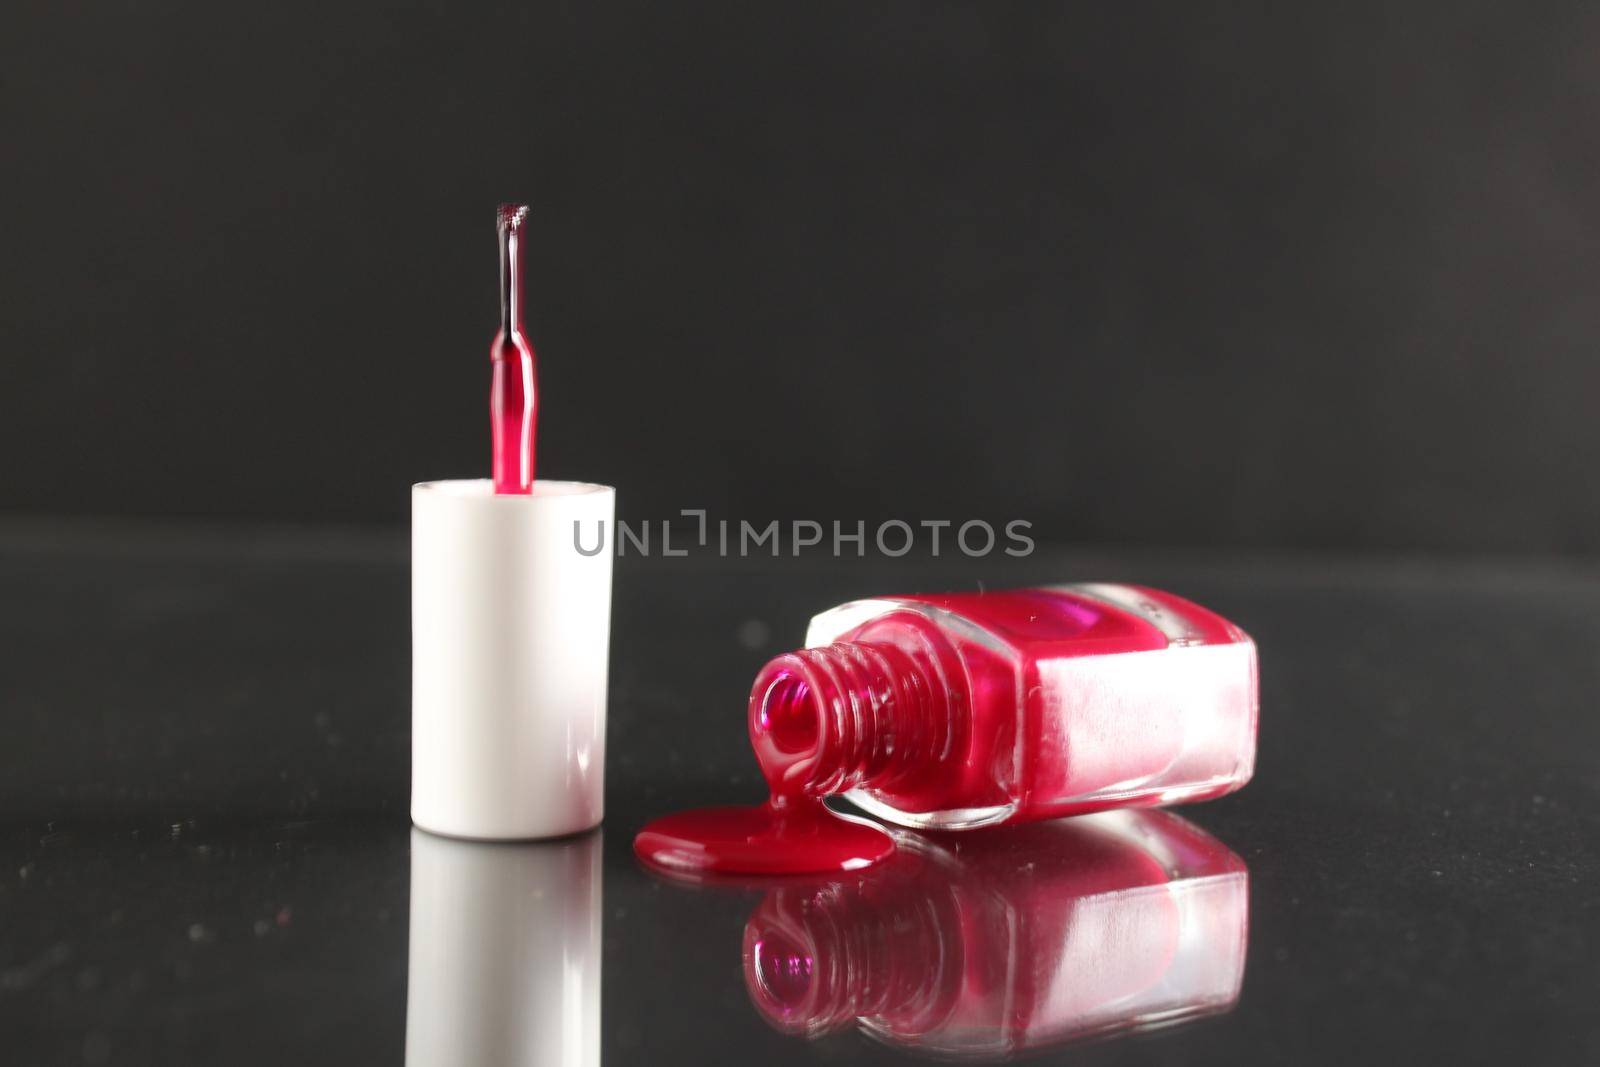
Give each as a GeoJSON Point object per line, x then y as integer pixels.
{"type": "Point", "coordinates": [965, 710]}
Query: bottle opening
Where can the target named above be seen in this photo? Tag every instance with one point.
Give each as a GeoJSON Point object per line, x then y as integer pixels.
{"type": "Point", "coordinates": [826, 720]}
{"type": "Point", "coordinates": [788, 715]}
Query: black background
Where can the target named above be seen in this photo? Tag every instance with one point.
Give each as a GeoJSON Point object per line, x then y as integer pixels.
{"type": "Point", "coordinates": [1248, 274]}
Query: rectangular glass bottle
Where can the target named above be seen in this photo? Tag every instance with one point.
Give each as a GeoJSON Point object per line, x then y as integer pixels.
{"type": "Point", "coordinates": [1050, 701]}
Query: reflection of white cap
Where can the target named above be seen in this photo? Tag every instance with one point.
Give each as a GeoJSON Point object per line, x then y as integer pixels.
{"type": "Point", "coordinates": [510, 627]}
{"type": "Point", "coordinates": [505, 953]}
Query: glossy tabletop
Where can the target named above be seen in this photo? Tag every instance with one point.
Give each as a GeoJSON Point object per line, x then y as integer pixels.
{"type": "Point", "coordinates": [205, 855]}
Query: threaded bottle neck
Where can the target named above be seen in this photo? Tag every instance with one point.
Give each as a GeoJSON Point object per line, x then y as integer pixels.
{"type": "Point", "coordinates": [826, 720]}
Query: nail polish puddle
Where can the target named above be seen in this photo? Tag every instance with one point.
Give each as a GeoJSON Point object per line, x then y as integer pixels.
{"type": "Point", "coordinates": [783, 836]}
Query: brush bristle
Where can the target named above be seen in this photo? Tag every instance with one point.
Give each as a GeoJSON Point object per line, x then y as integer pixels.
{"type": "Point", "coordinates": [511, 216]}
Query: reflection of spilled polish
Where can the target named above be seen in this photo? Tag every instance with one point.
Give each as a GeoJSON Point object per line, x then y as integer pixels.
{"type": "Point", "coordinates": [1010, 940]}
{"type": "Point", "coordinates": [505, 953]}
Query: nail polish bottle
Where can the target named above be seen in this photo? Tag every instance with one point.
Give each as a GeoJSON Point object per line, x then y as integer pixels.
{"type": "Point", "coordinates": [965, 710]}
{"type": "Point", "coordinates": [1011, 941]}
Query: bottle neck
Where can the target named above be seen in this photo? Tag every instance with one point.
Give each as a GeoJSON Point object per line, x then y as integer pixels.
{"type": "Point", "coordinates": [856, 713]}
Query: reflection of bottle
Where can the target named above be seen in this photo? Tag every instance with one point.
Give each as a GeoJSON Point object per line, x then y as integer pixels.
{"type": "Point", "coordinates": [513, 404]}
{"type": "Point", "coordinates": [971, 709]}
{"type": "Point", "coordinates": [1011, 940]}
{"type": "Point", "coordinates": [505, 953]}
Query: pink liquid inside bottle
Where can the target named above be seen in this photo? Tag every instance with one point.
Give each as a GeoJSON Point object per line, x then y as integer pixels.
{"type": "Point", "coordinates": [975, 709]}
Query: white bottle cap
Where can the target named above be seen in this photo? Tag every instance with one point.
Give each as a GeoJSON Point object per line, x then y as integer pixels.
{"type": "Point", "coordinates": [510, 629]}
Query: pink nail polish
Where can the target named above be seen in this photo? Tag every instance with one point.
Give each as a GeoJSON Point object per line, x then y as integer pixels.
{"type": "Point", "coordinates": [1013, 941]}
{"type": "Point", "coordinates": [975, 709]}
{"type": "Point", "coordinates": [513, 408]}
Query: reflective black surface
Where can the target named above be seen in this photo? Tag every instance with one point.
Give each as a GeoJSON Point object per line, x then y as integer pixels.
{"type": "Point", "coordinates": [205, 855]}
